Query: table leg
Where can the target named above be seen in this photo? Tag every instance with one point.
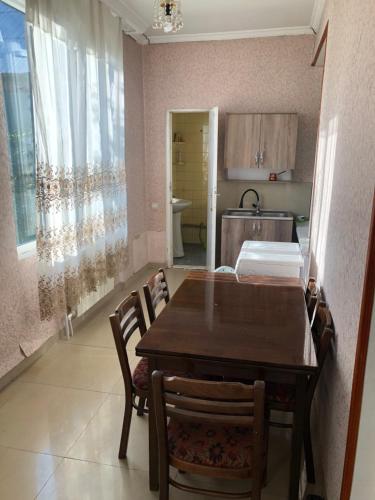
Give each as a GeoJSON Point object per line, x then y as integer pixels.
{"type": "Point", "coordinates": [152, 436]}
{"type": "Point", "coordinates": [297, 437]}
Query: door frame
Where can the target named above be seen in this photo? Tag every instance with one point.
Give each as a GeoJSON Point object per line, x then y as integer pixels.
{"type": "Point", "coordinates": [169, 188]}
{"type": "Point", "coordinates": [364, 331]}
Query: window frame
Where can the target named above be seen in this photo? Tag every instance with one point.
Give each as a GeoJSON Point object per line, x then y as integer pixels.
{"type": "Point", "coordinates": [16, 4]}
{"type": "Point", "coordinates": [25, 250]}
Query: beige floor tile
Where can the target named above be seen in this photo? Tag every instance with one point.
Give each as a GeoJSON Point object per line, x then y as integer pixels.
{"type": "Point", "coordinates": [95, 332]}
{"type": "Point", "coordinates": [46, 419]}
{"type": "Point", "coordinates": [75, 366]}
{"type": "Point", "coordinates": [218, 485]}
{"type": "Point", "coordinates": [7, 392]}
{"type": "Point", "coordinates": [23, 474]}
{"type": "Point", "coordinates": [278, 463]}
{"type": "Point", "coordinates": [79, 480]}
{"type": "Point", "coordinates": [100, 440]}
{"type": "Point", "coordinates": [118, 388]}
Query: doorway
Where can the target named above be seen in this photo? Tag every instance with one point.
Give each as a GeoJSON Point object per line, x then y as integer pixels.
{"type": "Point", "coordinates": [191, 188]}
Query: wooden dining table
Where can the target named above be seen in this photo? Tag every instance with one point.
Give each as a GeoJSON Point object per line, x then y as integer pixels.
{"type": "Point", "coordinates": [247, 328]}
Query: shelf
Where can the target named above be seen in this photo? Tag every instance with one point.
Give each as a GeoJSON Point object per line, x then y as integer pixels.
{"type": "Point", "coordinates": [178, 142]}
{"type": "Point", "coordinates": [265, 181]}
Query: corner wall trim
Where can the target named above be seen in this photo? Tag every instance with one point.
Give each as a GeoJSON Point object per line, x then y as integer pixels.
{"type": "Point", "coordinates": [322, 41]}
{"type": "Point", "coordinates": [317, 13]}
{"type": "Point", "coordinates": [233, 35]}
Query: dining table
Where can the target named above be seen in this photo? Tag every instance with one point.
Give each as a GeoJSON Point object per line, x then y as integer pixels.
{"type": "Point", "coordinates": [245, 328]}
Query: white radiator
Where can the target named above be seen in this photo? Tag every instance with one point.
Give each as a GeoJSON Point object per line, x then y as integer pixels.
{"type": "Point", "coordinates": [94, 297]}
{"type": "Point", "coordinates": [86, 304]}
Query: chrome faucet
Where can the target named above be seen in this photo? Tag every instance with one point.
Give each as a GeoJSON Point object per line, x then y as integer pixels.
{"type": "Point", "coordinates": [255, 205]}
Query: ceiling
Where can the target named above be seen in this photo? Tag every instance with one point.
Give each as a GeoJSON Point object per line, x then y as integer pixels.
{"type": "Point", "coordinates": [223, 19]}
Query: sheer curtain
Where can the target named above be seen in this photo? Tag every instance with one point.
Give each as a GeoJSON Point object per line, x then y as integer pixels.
{"type": "Point", "coordinates": [76, 65]}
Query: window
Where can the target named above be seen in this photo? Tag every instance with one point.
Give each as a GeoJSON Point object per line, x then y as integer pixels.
{"type": "Point", "coordinates": [14, 70]}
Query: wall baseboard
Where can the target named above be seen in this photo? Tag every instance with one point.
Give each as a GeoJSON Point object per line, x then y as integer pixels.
{"type": "Point", "coordinates": [27, 362]}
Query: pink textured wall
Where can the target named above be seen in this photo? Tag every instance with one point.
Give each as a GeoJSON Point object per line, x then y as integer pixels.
{"type": "Point", "coordinates": [20, 327]}
{"type": "Point", "coordinates": [342, 206]}
{"type": "Point", "coordinates": [255, 75]}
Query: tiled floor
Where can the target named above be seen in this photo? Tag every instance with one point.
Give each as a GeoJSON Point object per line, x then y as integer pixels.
{"type": "Point", "coordinates": [60, 425]}
{"type": "Point", "coordinates": [195, 255]}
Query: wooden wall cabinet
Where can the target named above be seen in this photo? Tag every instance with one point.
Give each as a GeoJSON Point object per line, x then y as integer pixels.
{"type": "Point", "coordinates": [261, 141]}
{"type": "Point", "coordinates": [234, 231]}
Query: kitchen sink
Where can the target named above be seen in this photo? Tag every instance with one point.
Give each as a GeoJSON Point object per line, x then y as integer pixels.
{"type": "Point", "coordinates": [251, 214]}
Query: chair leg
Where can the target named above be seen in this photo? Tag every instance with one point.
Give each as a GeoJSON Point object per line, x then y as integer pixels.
{"type": "Point", "coordinates": [164, 491]}
{"type": "Point", "coordinates": [125, 428]}
{"type": "Point", "coordinates": [141, 407]}
{"type": "Point", "coordinates": [309, 456]}
{"type": "Point", "coordinates": [163, 477]}
{"type": "Point", "coordinates": [164, 481]}
{"type": "Point", "coordinates": [266, 444]}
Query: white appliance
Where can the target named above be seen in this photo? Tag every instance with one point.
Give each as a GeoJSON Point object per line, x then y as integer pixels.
{"type": "Point", "coordinates": [269, 258]}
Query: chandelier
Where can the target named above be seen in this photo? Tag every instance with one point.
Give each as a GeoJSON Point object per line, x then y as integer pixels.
{"type": "Point", "coordinates": [167, 16]}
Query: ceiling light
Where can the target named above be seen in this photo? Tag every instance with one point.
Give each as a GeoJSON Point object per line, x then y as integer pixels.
{"type": "Point", "coordinates": [167, 16]}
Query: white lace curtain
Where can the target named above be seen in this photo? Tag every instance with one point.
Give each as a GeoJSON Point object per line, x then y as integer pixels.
{"type": "Point", "coordinates": [76, 65]}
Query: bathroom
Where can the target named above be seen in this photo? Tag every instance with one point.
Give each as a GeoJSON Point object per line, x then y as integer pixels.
{"type": "Point", "coordinates": [190, 143]}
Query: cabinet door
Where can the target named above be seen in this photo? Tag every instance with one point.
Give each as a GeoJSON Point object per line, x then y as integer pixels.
{"type": "Point", "coordinates": [242, 140]}
{"type": "Point", "coordinates": [268, 230]}
{"type": "Point", "coordinates": [232, 237]}
{"type": "Point", "coordinates": [253, 229]}
{"type": "Point", "coordinates": [278, 141]}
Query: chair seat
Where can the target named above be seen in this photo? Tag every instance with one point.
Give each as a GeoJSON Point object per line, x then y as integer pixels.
{"type": "Point", "coordinates": [210, 445]}
{"type": "Point", "coordinates": [140, 375]}
{"type": "Point", "coordinates": [283, 394]}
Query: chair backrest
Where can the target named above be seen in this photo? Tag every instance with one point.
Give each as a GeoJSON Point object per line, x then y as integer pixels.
{"type": "Point", "coordinates": [322, 332]}
{"type": "Point", "coordinates": [322, 329]}
{"type": "Point", "coordinates": [125, 321]}
{"type": "Point", "coordinates": [311, 297]}
{"type": "Point", "coordinates": [156, 290]}
{"type": "Point", "coordinates": [203, 402]}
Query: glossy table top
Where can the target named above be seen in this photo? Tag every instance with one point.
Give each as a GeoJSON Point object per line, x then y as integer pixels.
{"type": "Point", "coordinates": [257, 320]}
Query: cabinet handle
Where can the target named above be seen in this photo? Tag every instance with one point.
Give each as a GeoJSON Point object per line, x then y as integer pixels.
{"type": "Point", "coordinates": [261, 156]}
{"type": "Point", "coordinates": [254, 227]}
{"type": "Point", "coordinates": [257, 159]}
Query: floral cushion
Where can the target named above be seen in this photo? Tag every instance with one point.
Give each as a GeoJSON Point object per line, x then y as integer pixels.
{"type": "Point", "coordinates": [140, 375]}
{"type": "Point", "coordinates": [281, 393]}
{"type": "Point", "coordinates": [210, 445]}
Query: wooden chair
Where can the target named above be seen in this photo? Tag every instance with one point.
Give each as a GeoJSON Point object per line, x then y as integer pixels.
{"type": "Point", "coordinates": [156, 290]}
{"type": "Point", "coordinates": [126, 320]}
{"type": "Point", "coordinates": [215, 429]}
{"type": "Point", "coordinates": [311, 297]}
{"type": "Point", "coordinates": [281, 397]}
